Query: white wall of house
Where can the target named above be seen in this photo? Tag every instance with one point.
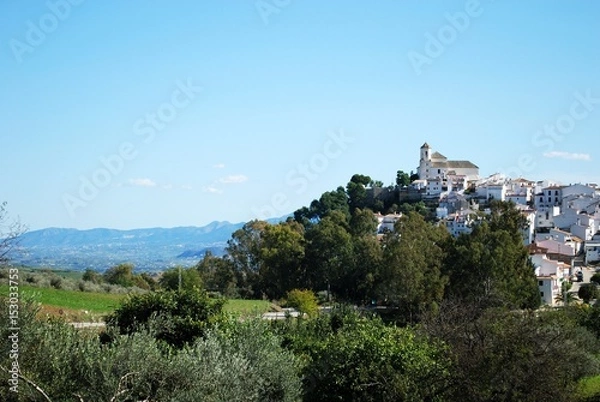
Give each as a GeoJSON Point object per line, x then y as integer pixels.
{"type": "Point", "coordinates": [434, 187]}
{"type": "Point", "coordinates": [584, 232]}
{"type": "Point", "coordinates": [557, 247]}
{"type": "Point", "coordinates": [544, 218]}
{"type": "Point", "coordinates": [549, 289]}
{"type": "Point", "coordinates": [592, 251]}
{"type": "Point", "coordinates": [496, 192]}
{"type": "Point", "coordinates": [566, 219]}
{"type": "Point", "coordinates": [578, 189]}
{"type": "Point", "coordinates": [548, 197]}
{"type": "Point", "coordinates": [529, 232]}
{"type": "Point", "coordinates": [547, 267]}
{"type": "Point", "coordinates": [517, 199]}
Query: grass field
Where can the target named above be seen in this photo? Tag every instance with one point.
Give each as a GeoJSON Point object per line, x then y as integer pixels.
{"type": "Point", "coordinates": [246, 307]}
{"type": "Point", "coordinates": [84, 306]}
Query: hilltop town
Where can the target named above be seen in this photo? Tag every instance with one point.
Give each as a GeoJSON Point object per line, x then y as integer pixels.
{"type": "Point", "coordinates": [563, 221]}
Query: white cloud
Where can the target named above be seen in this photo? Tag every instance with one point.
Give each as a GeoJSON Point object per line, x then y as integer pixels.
{"type": "Point", "coordinates": [219, 166]}
{"type": "Point", "coordinates": [568, 156]}
{"type": "Point", "coordinates": [142, 183]}
{"type": "Point", "coordinates": [233, 179]}
{"type": "Point", "coordinates": [212, 189]}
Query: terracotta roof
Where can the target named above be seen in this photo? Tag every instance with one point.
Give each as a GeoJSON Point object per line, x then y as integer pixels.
{"type": "Point", "coordinates": [437, 155]}
{"type": "Point", "coordinates": [454, 165]}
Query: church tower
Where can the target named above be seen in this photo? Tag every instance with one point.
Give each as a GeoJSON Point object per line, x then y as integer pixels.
{"type": "Point", "coordinates": [424, 161]}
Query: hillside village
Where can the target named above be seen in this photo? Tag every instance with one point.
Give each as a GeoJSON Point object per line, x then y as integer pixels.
{"type": "Point", "coordinates": [563, 232]}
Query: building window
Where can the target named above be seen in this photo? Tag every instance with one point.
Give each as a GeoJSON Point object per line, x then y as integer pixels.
{"type": "Point", "coordinates": [541, 283]}
{"type": "Point", "coordinates": [556, 192]}
{"type": "Point", "coordinates": [542, 294]}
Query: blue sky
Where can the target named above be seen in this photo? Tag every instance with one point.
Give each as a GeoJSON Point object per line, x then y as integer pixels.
{"type": "Point", "coordinates": [155, 113]}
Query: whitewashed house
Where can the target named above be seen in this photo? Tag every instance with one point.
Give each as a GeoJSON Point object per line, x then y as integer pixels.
{"type": "Point", "coordinates": [528, 232]}
{"type": "Point", "coordinates": [544, 217]}
{"type": "Point", "coordinates": [459, 223]}
{"type": "Point", "coordinates": [550, 275]}
{"type": "Point", "coordinates": [592, 251]}
{"type": "Point", "coordinates": [579, 190]}
{"type": "Point", "coordinates": [559, 242]}
{"type": "Point", "coordinates": [434, 187]}
{"type": "Point", "coordinates": [549, 197]}
{"type": "Point", "coordinates": [385, 223]}
{"type": "Point", "coordinates": [520, 191]}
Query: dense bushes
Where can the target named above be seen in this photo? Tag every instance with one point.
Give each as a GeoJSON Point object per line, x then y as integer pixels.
{"type": "Point", "coordinates": [232, 362]}
{"type": "Point", "coordinates": [353, 358]}
{"type": "Point", "coordinates": [176, 317]}
{"type": "Point", "coordinates": [463, 353]}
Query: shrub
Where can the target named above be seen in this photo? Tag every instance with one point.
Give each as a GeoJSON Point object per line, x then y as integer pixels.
{"type": "Point", "coordinates": [304, 301]}
{"type": "Point", "coordinates": [92, 276]}
{"type": "Point", "coordinates": [236, 362]}
{"type": "Point", "coordinates": [179, 317]}
{"type": "Point", "coordinates": [56, 282]}
{"type": "Point", "coordinates": [365, 360]}
{"type": "Point", "coordinates": [587, 292]}
{"type": "Point", "coordinates": [190, 279]}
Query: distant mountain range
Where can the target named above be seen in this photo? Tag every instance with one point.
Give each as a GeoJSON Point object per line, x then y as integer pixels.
{"type": "Point", "coordinates": [148, 249]}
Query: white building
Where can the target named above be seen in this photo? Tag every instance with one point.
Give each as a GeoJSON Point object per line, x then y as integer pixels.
{"type": "Point", "coordinates": [433, 165]}
{"type": "Point", "coordinates": [549, 197]}
{"type": "Point", "coordinates": [550, 275]}
{"type": "Point", "coordinates": [592, 252]}
{"type": "Point", "coordinates": [544, 218]}
{"type": "Point", "coordinates": [459, 223]}
{"type": "Point", "coordinates": [434, 188]}
{"type": "Point", "coordinates": [385, 223]}
{"type": "Point", "coordinates": [579, 190]}
{"type": "Point", "coordinates": [559, 242]}
{"type": "Point", "coordinates": [528, 232]}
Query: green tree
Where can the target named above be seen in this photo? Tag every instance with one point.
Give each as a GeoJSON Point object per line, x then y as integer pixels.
{"type": "Point", "coordinates": [587, 292]}
{"type": "Point", "coordinates": [218, 274]}
{"type": "Point", "coordinates": [328, 202]}
{"type": "Point", "coordinates": [328, 253]}
{"type": "Point", "coordinates": [364, 271]}
{"type": "Point", "coordinates": [411, 273]}
{"type": "Point", "coordinates": [92, 276]}
{"type": "Point", "coordinates": [402, 179]}
{"type": "Point", "coordinates": [504, 356]}
{"type": "Point", "coordinates": [303, 300]}
{"type": "Point", "coordinates": [281, 255]}
{"type": "Point", "coordinates": [177, 317]}
{"type": "Point", "coordinates": [243, 250]}
{"type": "Point", "coordinates": [595, 278]}
{"type": "Point", "coordinates": [121, 274]}
{"type": "Point", "coordinates": [363, 223]}
{"type": "Point", "coordinates": [357, 191]}
{"type": "Point", "coordinates": [492, 265]}
{"type": "Point", "coordinates": [365, 360]}
{"type": "Point", "coordinates": [180, 278]}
